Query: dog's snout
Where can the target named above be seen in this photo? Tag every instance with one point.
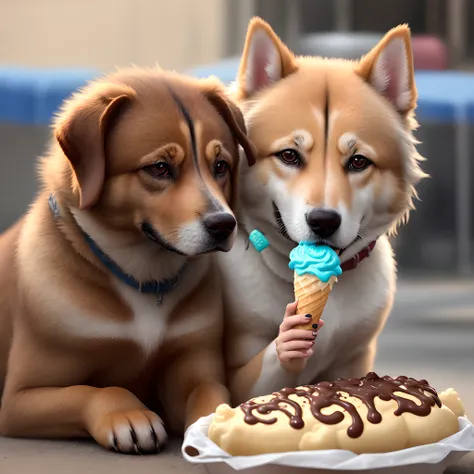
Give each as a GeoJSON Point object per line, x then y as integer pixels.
{"type": "Point", "coordinates": [323, 222]}
{"type": "Point", "coordinates": [220, 225]}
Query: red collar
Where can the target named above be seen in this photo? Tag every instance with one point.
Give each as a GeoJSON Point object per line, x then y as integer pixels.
{"type": "Point", "coordinates": [358, 257]}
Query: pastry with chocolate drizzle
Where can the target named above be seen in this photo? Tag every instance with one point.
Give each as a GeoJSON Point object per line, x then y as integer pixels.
{"type": "Point", "coordinates": [367, 415]}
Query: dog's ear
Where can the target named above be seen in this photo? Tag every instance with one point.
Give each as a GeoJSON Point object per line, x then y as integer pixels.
{"type": "Point", "coordinates": [389, 69]}
{"type": "Point", "coordinates": [234, 119]}
{"type": "Point", "coordinates": [81, 133]}
{"type": "Point", "coordinates": [265, 59]}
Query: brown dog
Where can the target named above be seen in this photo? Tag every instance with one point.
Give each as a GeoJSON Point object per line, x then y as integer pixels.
{"type": "Point", "coordinates": [106, 306]}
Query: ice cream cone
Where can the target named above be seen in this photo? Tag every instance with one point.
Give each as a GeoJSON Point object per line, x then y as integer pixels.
{"type": "Point", "coordinates": [316, 270]}
{"type": "Point", "coordinates": [312, 295]}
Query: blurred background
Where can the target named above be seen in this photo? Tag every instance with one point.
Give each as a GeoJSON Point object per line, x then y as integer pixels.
{"type": "Point", "coordinates": [51, 47]}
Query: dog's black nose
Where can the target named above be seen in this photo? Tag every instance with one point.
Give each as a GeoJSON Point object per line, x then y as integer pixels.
{"type": "Point", "coordinates": [220, 225]}
{"type": "Point", "coordinates": [323, 222]}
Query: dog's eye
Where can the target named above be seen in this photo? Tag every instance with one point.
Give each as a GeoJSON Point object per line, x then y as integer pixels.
{"type": "Point", "coordinates": [358, 163]}
{"type": "Point", "coordinates": [158, 170]}
{"type": "Point", "coordinates": [221, 168]}
{"type": "Point", "coordinates": [290, 157]}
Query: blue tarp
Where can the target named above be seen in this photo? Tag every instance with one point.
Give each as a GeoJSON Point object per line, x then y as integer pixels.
{"type": "Point", "coordinates": [32, 96]}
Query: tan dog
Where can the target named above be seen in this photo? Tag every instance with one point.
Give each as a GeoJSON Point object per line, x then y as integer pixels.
{"type": "Point", "coordinates": [336, 164]}
{"type": "Point", "coordinates": [107, 309]}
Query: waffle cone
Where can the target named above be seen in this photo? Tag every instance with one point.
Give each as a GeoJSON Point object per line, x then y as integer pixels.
{"type": "Point", "coordinates": [312, 296]}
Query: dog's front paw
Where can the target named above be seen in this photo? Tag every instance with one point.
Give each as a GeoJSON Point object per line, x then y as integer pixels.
{"type": "Point", "coordinates": [131, 432]}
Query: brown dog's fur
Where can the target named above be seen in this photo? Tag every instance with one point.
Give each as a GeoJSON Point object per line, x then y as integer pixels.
{"type": "Point", "coordinates": [83, 353]}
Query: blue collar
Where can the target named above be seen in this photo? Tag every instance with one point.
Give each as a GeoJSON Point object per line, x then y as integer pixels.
{"type": "Point", "coordinates": [153, 287]}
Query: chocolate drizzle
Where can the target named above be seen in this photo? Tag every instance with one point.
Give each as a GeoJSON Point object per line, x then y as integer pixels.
{"type": "Point", "coordinates": [326, 394]}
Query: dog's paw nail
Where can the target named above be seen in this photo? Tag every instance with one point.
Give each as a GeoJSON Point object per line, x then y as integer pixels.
{"type": "Point", "coordinates": [114, 443]}
{"type": "Point", "coordinates": [136, 432]}
{"type": "Point", "coordinates": [159, 435]}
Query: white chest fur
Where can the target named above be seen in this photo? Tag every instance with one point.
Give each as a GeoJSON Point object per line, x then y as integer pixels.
{"type": "Point", "coordinates": [148, 326]}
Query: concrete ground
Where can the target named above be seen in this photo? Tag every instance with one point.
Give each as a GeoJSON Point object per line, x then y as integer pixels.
{"type": "Point", "coordinates": [429, 335]}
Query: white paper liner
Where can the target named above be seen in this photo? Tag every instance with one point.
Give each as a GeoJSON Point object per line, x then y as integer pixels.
{"type": "Point", "coordinates": [196, 437]}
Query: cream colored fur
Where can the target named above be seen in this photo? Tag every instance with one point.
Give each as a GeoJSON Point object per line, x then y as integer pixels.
{"type": "Point", "coordinates": [325, 109]}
